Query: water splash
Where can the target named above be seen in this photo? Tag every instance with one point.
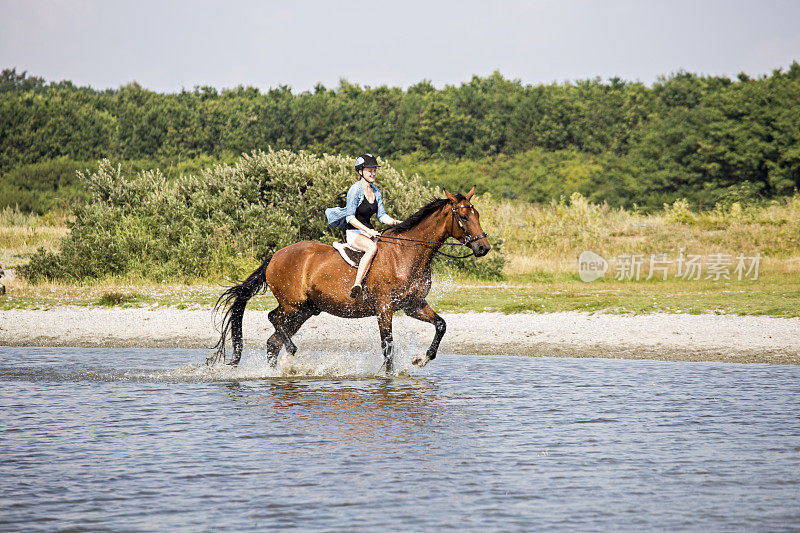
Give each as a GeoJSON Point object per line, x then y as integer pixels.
{"type": "Point", "coordinates": [358, 362]}
{"type": "Point", "coordinates": [304, 364]}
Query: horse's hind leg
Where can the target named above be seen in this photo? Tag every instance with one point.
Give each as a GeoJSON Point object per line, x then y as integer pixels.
{"type": "Point", "coordinates": [286, 325]}
{"type": "Point", "coordinates": [274, 344]}
{"type": "Point", "coordinates": [277, 316]}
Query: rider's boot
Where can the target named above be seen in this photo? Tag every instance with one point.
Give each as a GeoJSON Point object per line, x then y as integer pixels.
{"type": "Point", "coordinates": [355, 290]}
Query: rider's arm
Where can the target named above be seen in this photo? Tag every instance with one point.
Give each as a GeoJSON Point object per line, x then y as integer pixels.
{"type": "Point", "coordinates": [389, 221]}
{"type": "Point", "coordinates": [357, 224]}
{"type": "Point", "coordinates": [354, 197]}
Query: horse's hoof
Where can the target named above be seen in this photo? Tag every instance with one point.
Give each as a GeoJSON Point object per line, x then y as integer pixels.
{"type": "Point", "coordinates": [214, 359]}
{"type": "Point", "coordinates": [420, 360]}
{"type": "Point", "coordinates": [355, 291]}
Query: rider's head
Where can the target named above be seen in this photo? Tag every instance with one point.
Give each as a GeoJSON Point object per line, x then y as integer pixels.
{"type": "Point", "coordinates": [367, 166]}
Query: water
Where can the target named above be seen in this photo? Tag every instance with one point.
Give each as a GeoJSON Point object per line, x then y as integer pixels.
{"type": "Point", "coordinates": [135, 439]}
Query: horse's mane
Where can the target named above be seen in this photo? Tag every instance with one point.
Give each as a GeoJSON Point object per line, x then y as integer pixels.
{"type": "Point", "coordinates": [434, 205]}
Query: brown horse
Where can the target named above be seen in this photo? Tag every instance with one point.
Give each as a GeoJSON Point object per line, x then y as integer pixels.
{"type": "Point", "coordinates": [310, 277]}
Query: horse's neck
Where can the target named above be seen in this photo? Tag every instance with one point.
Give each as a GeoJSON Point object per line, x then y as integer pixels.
{"type": "Point", "coordinates": [433, 230]}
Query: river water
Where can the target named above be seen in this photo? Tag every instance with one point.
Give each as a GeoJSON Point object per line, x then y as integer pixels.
{"type": "Point", "coordinates": [143, 439]}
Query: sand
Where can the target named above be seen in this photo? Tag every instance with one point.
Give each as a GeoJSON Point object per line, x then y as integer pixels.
{"type": "Point", "coordinates": [727, 338]}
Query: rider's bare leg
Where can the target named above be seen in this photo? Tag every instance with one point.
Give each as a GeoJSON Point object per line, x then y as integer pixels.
{"type": "Point", "coordinates": [369, 248]}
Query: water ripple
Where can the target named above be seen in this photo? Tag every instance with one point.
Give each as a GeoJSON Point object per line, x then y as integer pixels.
{"type": "Point", "coordinates": [133, 439]}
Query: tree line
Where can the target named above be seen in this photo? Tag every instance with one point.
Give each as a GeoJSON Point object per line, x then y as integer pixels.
{"type": "Point", "coordinates": [705, 138]}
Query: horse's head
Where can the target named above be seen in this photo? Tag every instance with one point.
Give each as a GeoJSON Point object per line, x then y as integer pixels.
{"type": "Point", "coordinates": [466, 225]}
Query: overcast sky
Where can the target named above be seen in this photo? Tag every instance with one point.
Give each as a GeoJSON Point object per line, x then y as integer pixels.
{"type": "Point", "coordinates": [168, 45]}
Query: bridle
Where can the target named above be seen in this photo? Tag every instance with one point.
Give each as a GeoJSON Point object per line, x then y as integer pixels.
{"type": "Point", "coordinates": [456, 220]}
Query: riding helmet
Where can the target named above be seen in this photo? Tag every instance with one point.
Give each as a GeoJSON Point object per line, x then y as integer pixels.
{"type": "Point", "coordinates": [366, 161]}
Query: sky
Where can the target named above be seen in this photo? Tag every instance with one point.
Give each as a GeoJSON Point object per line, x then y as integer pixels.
{"type": "Point", "coordinates": [170, 45]}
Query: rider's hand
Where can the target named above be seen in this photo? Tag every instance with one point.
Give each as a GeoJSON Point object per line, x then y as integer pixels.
{"type": "Point", "coordinates": [374, 233]}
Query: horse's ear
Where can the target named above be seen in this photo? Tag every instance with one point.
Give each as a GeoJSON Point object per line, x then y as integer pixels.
{"type": "Point", "coordinates": [470, 193]}
{"type": "Point", "coordinates": [451, 197]}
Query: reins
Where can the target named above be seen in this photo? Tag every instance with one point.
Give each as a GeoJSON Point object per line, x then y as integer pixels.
{"type": "Point", "coordinates": [455, 220]}
{"type": "Point", "coordinates": [432, 244]}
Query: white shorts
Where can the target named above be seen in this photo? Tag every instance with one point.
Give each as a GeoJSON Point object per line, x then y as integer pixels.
{"type": "Point", "coordinates": [350, 235]}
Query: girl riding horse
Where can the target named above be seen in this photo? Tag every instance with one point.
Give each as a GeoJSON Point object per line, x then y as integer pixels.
{"type": "Point", "coordinates": [364, 200]}
{"type": "Point", "coordinates": [310, 277]}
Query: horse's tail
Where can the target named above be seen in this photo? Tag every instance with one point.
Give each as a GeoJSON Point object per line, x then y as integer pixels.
{"type": "Point", "coordinates": [233, 302]}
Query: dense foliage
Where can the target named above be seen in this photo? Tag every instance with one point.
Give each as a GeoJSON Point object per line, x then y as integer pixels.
{"type": "Point", "coordinates": [699, 137]}
{"type": "Point", "coordinates": [222, 221]}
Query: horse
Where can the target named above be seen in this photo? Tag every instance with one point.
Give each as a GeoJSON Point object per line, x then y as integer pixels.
{"type": "Point", "coordinates": [310, 277]}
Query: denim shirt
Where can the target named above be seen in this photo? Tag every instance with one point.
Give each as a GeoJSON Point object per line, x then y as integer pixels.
{"type": "Point", "coordinates": [339, 216]}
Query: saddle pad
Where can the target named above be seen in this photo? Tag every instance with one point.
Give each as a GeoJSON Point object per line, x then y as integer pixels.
{"type": "Point", "coordinates": [350, 255]}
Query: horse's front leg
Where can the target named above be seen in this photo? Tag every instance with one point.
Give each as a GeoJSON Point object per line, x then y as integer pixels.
{"type": "Point", "coordinates": [387, 343]}
{"type": "Point", "coordinates": [423, 311]}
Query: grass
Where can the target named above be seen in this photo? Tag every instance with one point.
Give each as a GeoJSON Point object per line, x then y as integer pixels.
{"type": "Point", "coordinates": [774, 296]}
{"type": "Point", "coordinates": [108, 293]}
{"type": "Point", "coordinates": [21, 234]}
{"type": "Point", "coordinates": [549, 238]}
{"type": "Point", "coordinates": [116, 298]}
{"type": "Point", "coordinates": [542, 243]}
{"type": "Point", "coordinates": [779, 297]}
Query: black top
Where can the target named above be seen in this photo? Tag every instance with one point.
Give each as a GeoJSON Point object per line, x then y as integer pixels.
{"type": "Point", "coordinates": [364, 212]}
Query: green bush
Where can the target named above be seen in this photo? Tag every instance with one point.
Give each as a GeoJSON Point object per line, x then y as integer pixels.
{"type": "Point", "coordinates": [218, 222]}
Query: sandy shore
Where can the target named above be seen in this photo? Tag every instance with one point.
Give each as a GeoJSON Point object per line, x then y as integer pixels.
{"type": "Point", "coordinates": [740, 339]}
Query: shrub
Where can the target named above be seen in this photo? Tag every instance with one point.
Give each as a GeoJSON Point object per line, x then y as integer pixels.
{"type": "Point", "coordinates": [679, 212]}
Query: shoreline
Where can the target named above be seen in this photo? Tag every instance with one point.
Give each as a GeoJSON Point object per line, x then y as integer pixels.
{"type": "Point", "coordinates": [667, 337]}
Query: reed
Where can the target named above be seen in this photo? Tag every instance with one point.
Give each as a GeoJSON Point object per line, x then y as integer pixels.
{"type": "Point", "coordinates": [547, 239]}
